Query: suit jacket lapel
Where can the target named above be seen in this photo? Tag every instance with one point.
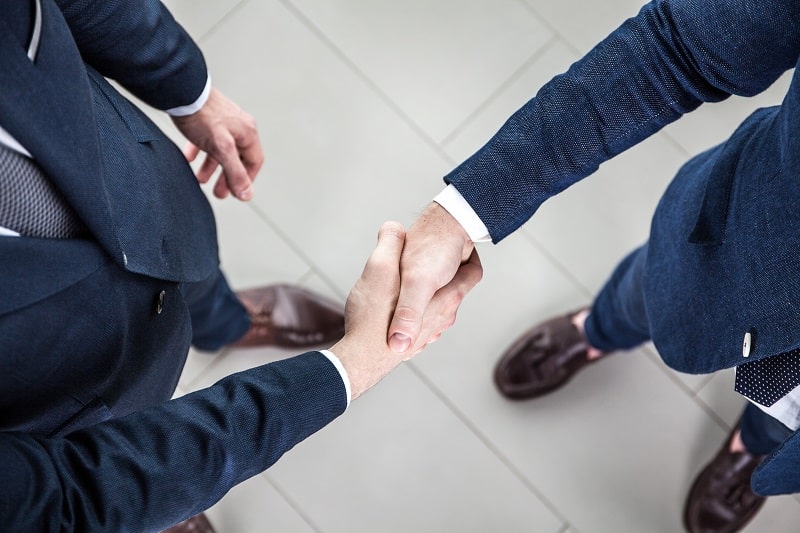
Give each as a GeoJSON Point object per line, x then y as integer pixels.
{"type": "Point", "coordinates": [47, 106]}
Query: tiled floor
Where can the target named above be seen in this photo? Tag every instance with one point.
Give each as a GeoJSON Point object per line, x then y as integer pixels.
{"type": "Point", "coordinates": [363, 105]}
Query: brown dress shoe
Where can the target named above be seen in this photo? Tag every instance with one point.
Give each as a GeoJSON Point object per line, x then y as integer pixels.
{"type": "Point", "coordinates": [721, 500]}
{"type": "Point", "coordinates": [196, 524]}
{"type": "Point", "coordinates": [290, 317]}
{"type": "Point", "coordinates": [542, 360]}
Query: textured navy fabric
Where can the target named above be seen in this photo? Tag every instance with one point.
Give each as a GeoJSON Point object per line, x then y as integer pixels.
{"type": "Point", "coordinates": [722, 257]}
{"type": "Point", "coordinates": [158, 466]}
{"type": "Point", "coordinates": [119, 172]}
{"type": "Point", "coordinates": [94, 332]}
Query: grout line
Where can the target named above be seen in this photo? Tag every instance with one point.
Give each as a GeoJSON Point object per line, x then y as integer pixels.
{"type": "Point", "coordinates": [210, 31]}
{"type": "Point", "coordinates": [296, 249]}
{"type": "Point", "coordinates": [486, 441]}
{"type": "Point", "coordinates": [551, 258]}
{"type": "Point", "coordinates": [437, 148]}
{"type": "Point", "coordinates": [564, 528]}
{"type": "Point", "coordinates": [546, 24]}
{"type": "Point", "coordinates": [516, 75]}
{"type": "Point", "coordinates": [291, 502]}
{"type": "Point", "coordinates": [192, 384]}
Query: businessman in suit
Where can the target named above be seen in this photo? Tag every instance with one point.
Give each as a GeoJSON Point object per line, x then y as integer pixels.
{"type": "Point", "coordinates": [109, 271]}
{"type": "Point", "coordinates": [721, 265]}
{"type": "Point", "coordinates": [159, 465]}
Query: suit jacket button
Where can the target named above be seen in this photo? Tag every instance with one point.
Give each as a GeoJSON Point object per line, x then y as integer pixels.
{"type": "Point", "coordinates": [160, 302]}
{"type": "Point", "coordinates": [747, 344]}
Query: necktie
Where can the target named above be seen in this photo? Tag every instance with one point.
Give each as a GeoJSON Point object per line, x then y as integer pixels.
{"type": "Point", "coordinates": [770, 379]}
{"type": "Point", "coordinates": [29, 204]}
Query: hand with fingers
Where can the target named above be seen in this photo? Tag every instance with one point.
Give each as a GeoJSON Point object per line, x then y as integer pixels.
{"type": "Point", "coordinates": [229, 138]}
{"type": "Point", "coordinates": [439, 266]}
{"type": "Point", "coordinates": [371, 303]}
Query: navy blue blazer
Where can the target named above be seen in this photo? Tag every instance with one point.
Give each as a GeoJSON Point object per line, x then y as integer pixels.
{"type": "Point", "coordinates": [94, 332]}
{"type": "Point", "coordinates": [723, 257]}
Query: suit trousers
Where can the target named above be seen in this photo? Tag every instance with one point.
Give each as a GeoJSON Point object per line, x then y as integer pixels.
{"type": "Point", "coordinates": [619, 321]}
{"type": "Point", "coordinates": [218, 317]}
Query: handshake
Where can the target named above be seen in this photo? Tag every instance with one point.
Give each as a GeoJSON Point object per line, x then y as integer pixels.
{"type": "Point", "coordinates": [407, 295]}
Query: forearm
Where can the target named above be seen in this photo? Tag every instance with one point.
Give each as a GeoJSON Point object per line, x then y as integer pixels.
{"type": "Point", "coordinates": [139, 44]}
{"type": "Point", "coordinates": [657, 66]}
{"type": "Point", "coordinates": [151, 469]}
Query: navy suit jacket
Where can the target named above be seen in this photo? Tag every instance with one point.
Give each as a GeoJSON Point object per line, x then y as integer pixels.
{"type": "Point", "coordinates": [88, 358]}
{"type": "Point", "coordinates": [723, 258]}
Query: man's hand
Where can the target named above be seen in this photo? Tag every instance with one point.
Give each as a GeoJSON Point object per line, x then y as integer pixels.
{"type": "Point", "coordinates": [229, 137]}
{"type": "Point", "coordinates": [439, 266]}
{"type": "Point", "coordinates": [369, 307]}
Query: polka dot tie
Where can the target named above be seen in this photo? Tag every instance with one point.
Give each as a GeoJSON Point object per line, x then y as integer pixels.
{"type": "Point", "coordinates": [770, 379]}
{"type": "Point", "coordinates": [29, 204]}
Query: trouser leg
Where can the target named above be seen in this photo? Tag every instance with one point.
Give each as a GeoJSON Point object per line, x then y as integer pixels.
{"type": "Point", "coordinates": [761, 434]}
{"type": "Point", "coordinates": [618, 318]}
{"type": "Point", "coordinates": [218, 318]}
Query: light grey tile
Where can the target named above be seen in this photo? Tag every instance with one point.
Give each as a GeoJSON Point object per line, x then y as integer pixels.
{"type": "Point", "coordinates": [583, 23]}
{"type": "Point", "coordinates": [615, 450]}
{"type": "Point", "coordinates": [436, 60]}
{"type": "Point", "coordinates": [252, 253]}
{"type": "Point", "coordinates": [196, 363]}
{"type": "Point", "coordinates": [593, 225]}
{"type": "Point", "coordinates": [199, 16]}
{"type": "Point", "coordinates": [779, 514]}
{"type": "Point", "coordinates": [720, 397]}
{"type": "Point", "coordinates": [339, 160]}
{"type": "Point", "coordinates": [480, 126]}
{"type": "Point", "coordinates": [399, 461]}
{"type": "Point", "coordinates": [255, 506]}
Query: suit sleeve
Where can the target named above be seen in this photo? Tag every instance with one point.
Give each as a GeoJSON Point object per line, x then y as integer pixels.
{"type": "Point", "coordinates": [673, 56]}
{"type": "Point", "coordinates": [139, 44]}
{"type": "Point", "coordinates": [154, 468]}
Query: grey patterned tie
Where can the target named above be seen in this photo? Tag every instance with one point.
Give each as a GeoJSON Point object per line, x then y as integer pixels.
{"type": "Point", "coordinates": [29, 204]}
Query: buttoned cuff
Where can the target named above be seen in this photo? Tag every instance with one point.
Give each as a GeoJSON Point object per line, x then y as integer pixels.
{"type": "Point", "coordinates": [457, 206]}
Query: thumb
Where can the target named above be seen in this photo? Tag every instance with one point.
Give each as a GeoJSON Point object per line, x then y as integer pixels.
{"type": "Point", "coordinates": [416, 293]}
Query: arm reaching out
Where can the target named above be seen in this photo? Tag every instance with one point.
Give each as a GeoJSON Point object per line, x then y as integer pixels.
{"type": "Point", "coordinates": [156, 467]}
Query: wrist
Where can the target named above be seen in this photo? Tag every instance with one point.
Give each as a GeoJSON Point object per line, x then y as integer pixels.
{"type": "Point", "coordinates": [365, 363]}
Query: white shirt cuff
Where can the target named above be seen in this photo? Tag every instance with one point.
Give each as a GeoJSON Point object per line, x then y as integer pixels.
{"type": "Point", "coordinates": [342, 372]}
{"type": "Point", "coordinates": [195, 106]}
{"type": "Point", "coordinates": [457, 206]}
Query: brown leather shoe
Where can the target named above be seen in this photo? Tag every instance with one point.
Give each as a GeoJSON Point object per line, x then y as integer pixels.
{"type": "Point", "coordinates": [542, 360]}
{"type": "Point", "coordinates": [721, 500]}
{"type": "Point", "coordinates": [290, 317]}
{"type": "Point", "coordinates": [196, 524]}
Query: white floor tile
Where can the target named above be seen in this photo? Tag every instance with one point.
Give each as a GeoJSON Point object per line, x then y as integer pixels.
{"type": "Point", "coordinates": [720, 397]}
{"type": "Point", "coordinates": [253, 507]}
{"type": "Point", "coordinates": [582, 23]}
{"type": "Point", "coordinates": [593, 225]}
{"type": "Point", "coordinates": [339, 160]}
{"type": "Point", "coordinates": [437, 60]}
{"type": "Point", "coordinates": [199, 16]}
{"type": "Point", "coordinates": [478, 129]}
{"type": "Point", "coordinates": [399, 461]}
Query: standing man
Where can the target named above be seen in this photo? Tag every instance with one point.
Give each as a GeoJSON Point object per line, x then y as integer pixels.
{"type": "Point", "coordinates": [724, 239]}
{"type": "Point", "coordinates": [108, 252]}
